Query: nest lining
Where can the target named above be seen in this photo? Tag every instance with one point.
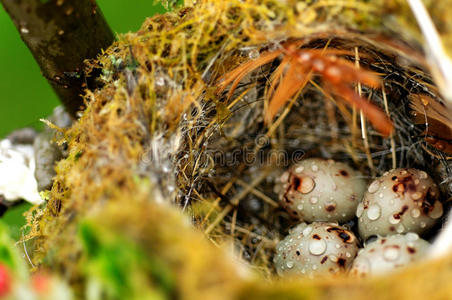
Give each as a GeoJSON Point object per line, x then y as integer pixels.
{"type": "Point", "coordinates": [240, 158]}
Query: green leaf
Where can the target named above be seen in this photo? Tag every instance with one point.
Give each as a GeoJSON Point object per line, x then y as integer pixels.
{"type": "Point", "coordinates": [15, 220]}
{"type": "Point", "coordinates": [119, 268]}
{"type": "Point", "coordinates": [9, 254]}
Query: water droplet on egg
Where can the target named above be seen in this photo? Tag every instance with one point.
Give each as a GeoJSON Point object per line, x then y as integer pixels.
{"type": "Point", "coordinates": [374, 212]}
{"type": "Point", "coordinates": [290, 264]}
{"type": "Point", "coordinates": [437, 211]}
{"type": "Point", "coordinates": [391, 253]}
{"type": "Point", "coordinates": [307, 231]}
{"type": "Point", "coordinates": [415, 213]}
{"type": "Point", "coordinates": [411, 236]}
{"type": "Point", "coordinates": [400, 228]}
{"type": "Point", "coordinates": [374, 186]}
{"type": "Point", "coordinates": [313, 200]}
{"type": "Point", "coordinates": [315, 168]}
{"type": "Point", "coordinates": [393, 220]}
{"type": "Point", "coordinates": [307, 185]}
{"type": "Point", "coordinates": [317, 247]}
{"type": "Point", "coordinates": [359, 210]}
{"type": "Point", "coordinates": [416, 195]}
{"type": "Point", "coordinates": [285, 177]}
{"type": "Point", "coordinates": [299, 169]}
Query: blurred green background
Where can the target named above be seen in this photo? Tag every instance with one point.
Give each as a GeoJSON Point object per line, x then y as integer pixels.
{"type": "Point", "coordinates": [25, 96]}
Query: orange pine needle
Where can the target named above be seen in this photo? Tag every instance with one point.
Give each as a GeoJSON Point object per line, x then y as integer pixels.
{"type": "Point", "coordinates": [236, 75]}
{"type": "Point", "coordinates": [276, 76]}
{"type": "Point", "coordinates": [293, 81]}
{"type": "Point", "coordinates": [336, 72]}
{"type": "Point", "coordinates": [375, 115]}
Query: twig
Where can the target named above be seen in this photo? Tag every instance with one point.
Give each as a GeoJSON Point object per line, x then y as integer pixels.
{"type": "Point", "coordinates": [393, 146]}
{"type": "Point", "coordinates": [363, 123]}
{"type": "Point", "coordinates": [258, 193]}
{"type": "Point", "coordinates": [61, 35]}
{"type": "Point", "coordinates": [235, 201]}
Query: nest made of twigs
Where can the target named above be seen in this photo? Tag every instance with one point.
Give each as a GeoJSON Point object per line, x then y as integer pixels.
{"type": "Point", "coordinates": [237, 160]}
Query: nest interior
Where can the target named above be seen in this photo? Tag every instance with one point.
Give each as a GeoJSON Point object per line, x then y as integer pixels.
{"type": "Point", "coordinates": [159, 133]}
{"type": "Point", "coordinates": [239, 159]}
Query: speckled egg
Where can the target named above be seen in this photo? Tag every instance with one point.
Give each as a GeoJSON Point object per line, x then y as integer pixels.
{"type": "Point", "coordinates": [402, 200]}
{"type": "Point", "coordinates": [321, 190]}
{"type": "Point", "coordinates": [389, 253]}
{"type": "Point", "coordinates": [314, 249]}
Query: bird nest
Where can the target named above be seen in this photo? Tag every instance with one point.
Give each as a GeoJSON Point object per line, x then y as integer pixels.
{"type": "Point", "coordinates": [204, 108]}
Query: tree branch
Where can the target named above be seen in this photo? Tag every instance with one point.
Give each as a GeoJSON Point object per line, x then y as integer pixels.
{"type": "Point", "coordinates": [61, 34]}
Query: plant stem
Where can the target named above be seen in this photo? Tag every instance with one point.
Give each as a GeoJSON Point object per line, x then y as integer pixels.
{"type": "Point", "coordinates": [61, 34]}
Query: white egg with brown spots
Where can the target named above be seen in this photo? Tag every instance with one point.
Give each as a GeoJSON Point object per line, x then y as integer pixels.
{"type": "Point", "coordinates": [314, 249]}
{"type": "Point", "coordinates": [402, 200]}
{"type": "Point", "coordinates": [321, 190]}
{"type": "Point", "coordinates": [389, 253]}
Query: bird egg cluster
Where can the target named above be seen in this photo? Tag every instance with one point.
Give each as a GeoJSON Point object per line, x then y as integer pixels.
{"type": "Point", "coordinates": [395, 208]}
